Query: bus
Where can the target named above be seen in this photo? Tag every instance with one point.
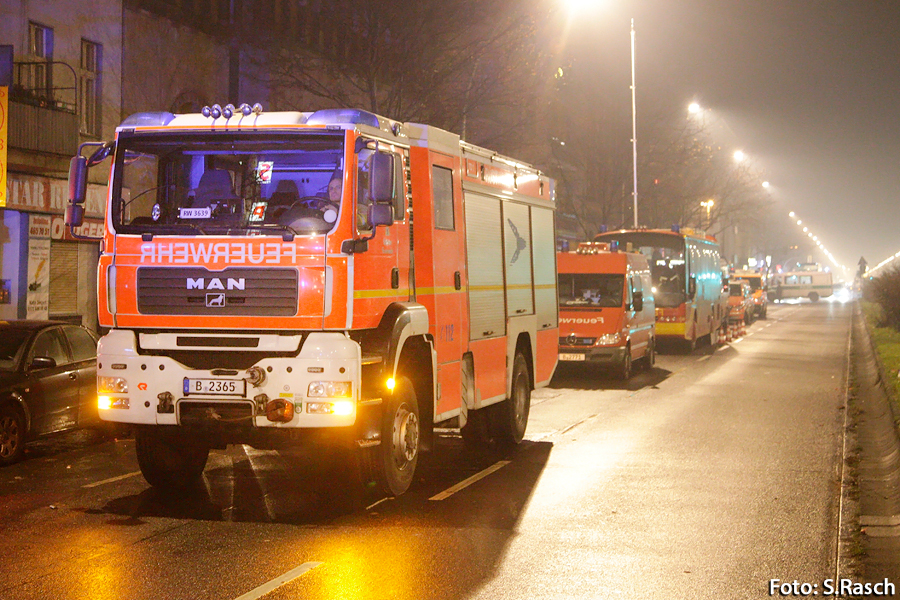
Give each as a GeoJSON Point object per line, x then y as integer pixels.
{"type": "Point", "coordinates": [685, 269]}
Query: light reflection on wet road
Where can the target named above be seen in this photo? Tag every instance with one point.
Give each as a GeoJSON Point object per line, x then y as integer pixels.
{"type": "Point", "coordinates": [703, 478]}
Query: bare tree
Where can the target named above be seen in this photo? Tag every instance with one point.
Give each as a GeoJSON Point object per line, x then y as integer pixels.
{"type": "Point", "coordinates": [679, 164]}
{"type": "Point", "coordinates": [474, 72]}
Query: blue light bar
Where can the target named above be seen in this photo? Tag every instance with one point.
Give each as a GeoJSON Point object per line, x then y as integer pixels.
{"type": "Point", "coordinates": [355, 116]}
{"type": "Point", "coordinates": [148, 119]}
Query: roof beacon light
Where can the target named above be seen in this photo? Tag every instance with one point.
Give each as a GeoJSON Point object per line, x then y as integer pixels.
{"type": "Point", "coordinates": [592, 247]}
{"type": "Point", "coordinates": [215, 111]}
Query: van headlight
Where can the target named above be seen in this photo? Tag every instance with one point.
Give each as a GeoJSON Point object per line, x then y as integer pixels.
{"type": "Point", "coordinates": [609, 339]}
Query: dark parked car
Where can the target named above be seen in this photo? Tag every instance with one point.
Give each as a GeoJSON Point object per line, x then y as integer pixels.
{"type": "Point", "coordinates": [48, 382]}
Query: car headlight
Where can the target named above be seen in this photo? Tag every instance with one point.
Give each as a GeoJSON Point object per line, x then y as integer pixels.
{"type": "Point", "coordinates": [329, 389]}
{"type": "Point", "coordinates": [112, 385]}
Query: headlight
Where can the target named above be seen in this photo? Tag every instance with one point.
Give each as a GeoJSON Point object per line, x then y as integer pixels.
{"type": "Point", "coordinates": [112, 385]}
{"type": "Point", "coordinates": [329, 389]}
{"type": "Point", "coordinates": [609, 339]}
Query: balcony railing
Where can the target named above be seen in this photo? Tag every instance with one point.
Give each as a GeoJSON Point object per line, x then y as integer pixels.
{"type": "Point", "coordinates": [43, 106]}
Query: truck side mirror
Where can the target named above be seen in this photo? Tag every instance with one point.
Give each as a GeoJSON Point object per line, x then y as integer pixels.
{"type": "Point", "coordinates": [381, 178]}
{"type": "Point", "coordinates": [692, 286]}
{"type": "Point", "coordinates": [637, 302]}
{"type": "Point", "coordinates": [77, 191]}
{"type": "Point", "coordinates": [380, 214]}
{"type": "Point", "coordinates": [78, 167]}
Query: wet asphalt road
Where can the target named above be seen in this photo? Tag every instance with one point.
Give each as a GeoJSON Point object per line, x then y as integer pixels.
{"type": "Point", "coordinates": [704, 478]}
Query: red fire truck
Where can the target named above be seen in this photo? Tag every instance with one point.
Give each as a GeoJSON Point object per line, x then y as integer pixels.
{"type": "Point", "coordinates": [276, 279]}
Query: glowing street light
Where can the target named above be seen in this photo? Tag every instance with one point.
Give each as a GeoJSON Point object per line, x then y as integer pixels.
{"type": "Point", "coordinates": [765, 184]}
{"type": "Point", "coordinates": [708, 204]}
{"type": "Point", "coordinates": [694, 108]}
{"type": "Point", "coordinates": [739, 155]}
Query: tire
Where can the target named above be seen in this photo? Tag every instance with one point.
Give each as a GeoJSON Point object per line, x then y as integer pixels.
{"type": "Point", "coordinates": [169, 461]}
{"type": "Point", "coordinates": [509, 419]}
{"type": "Point", "coordinates": [623, 372]}
{"type": "Point", "coordinates": [650, 357]}
{"type": "Point", "coordinates": [474, 433]}
{"type": "Point", "coordinates": [813, 297]}
{"type": "Point", "coordinates": [12, 435]}
{"type": "Point", "coordinates": [392, 463]}
{"type": "Point", "coordinates": [765, 310]}
{"type": "Point", "coordinates": [691, 344]}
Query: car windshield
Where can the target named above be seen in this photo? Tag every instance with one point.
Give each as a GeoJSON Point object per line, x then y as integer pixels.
{"type": "Point", "coordinates": [754, 283]}
{"type": "Point", "coordinates": [205, 184]}
{"type": "Point", "coordinates": [735, 289]}
{"type": "Point", "coordinates": [590, 290]}
{"type": "Point", "coordinates": [12, 344]}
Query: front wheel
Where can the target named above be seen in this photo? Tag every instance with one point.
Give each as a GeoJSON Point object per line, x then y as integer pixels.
{"type": "Point", "coordinates": [650, 357]}
{"type": "Point", "coordinates": [169, 461]}
{"type": "Point", "coordinates": [624, 370]}
{"type": "Point", "coordinates": [12, 435]}
{"type": "Point", "coordinates": [813, 297]}
{"type": "Point", "coordinates": [392, 463]}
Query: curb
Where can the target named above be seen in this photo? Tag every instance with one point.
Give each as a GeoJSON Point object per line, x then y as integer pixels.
{"type": "Point", "coordinates": [882, 382]}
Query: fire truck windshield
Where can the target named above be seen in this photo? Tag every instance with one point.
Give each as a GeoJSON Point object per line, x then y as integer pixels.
{"type": "Point", "coordinates": [227, 183]}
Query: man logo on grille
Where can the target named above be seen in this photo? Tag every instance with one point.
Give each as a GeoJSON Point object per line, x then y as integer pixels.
{"type": "Point", "coordinates": [215, 300]}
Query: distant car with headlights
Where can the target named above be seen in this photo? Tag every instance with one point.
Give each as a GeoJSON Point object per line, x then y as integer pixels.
{"type": "Point", "coordinates": [740, 301]}
{"type": "Point", "coordinates": [48, 382]}
{"type": "Point", "coordinates": [759, 291]}
{"type": "Point", "coordinates": [606, 308]}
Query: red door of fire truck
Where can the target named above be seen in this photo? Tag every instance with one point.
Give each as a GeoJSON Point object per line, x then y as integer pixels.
{"type": "Point", "coordinates": [440, 266]}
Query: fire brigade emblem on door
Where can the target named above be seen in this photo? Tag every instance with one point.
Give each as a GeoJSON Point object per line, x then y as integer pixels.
{"type": "Point", "coordinates": [215, 300]}
{"type": "Point", "coordinates": [520, 241]}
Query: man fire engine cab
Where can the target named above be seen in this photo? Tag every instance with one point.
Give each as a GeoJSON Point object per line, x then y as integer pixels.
{"type": "Point", "coordinates": [264, 282]}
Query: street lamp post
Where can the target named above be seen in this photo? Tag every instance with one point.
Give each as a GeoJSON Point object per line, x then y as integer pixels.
{"type": "Point", "coordinates": [634, 128]}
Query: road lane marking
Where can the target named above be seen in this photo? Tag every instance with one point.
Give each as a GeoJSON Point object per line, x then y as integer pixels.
{"type": "Point", "coordinates": [702, 358]}
{"type": "Point", "coordinates": [111, 480]}
{"type": "Point", "coordinates": [278, 581]}
{"type": "Point", "coordinates": [467, 482]}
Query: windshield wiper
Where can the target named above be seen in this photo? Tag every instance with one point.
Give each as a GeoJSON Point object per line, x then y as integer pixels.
{"type": "Point", "coordinates": [166, 228]}
{"type": "Point", "coordinates": [287, 231]}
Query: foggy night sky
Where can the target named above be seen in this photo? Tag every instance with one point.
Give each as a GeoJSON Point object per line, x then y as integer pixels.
{"type": "Point", "coordinates": [810, 88]}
